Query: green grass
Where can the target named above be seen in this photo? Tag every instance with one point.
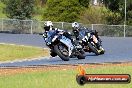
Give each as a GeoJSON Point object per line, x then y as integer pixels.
{"type": "Point", "coordinates": [61, 78]}
{"type": "Point", "coordinates": [13, 52]}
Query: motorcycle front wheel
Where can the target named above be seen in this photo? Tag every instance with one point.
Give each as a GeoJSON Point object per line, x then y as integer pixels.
{"type": "Point", "coordinates": [62, 51]}
{"type": "Point", "coordinates": [81, 55]}
{"type": "Point", "coordinates": [93, 49]}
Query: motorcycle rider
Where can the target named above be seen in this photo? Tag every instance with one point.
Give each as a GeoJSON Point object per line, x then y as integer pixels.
{"type": "Point", "coordinates": [50, 32]}
{"type": "Point", "coordinates": [79, 32]}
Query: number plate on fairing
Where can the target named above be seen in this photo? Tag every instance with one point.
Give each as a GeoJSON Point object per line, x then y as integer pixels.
{"type": "Point", "coordinates": [66, 41]}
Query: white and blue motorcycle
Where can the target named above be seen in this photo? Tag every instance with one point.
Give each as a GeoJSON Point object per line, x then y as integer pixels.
{"type": "Point", "coordinates": [60, 44]}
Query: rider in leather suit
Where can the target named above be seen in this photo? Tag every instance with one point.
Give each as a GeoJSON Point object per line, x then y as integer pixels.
{"type": "Point", "coordinates": [50, 32]}
{"type": "Point", "coordinates": [79, 33]}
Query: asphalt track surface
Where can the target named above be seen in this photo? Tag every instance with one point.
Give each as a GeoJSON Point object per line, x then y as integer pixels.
{"type": "Point", "coordinates": [118, 49]}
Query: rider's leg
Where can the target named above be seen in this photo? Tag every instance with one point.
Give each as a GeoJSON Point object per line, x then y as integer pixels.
{"type": "Point", "coordinates": [96, 42]}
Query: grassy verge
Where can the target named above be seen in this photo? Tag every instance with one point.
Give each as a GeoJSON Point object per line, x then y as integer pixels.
{"type": "Point", "coordinates": [13, 52]}
{"type": "Point", "coordinates": [61, 78]}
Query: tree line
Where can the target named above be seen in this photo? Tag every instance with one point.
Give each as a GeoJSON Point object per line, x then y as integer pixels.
{"type": "Point", "coordinates": [109, 12]}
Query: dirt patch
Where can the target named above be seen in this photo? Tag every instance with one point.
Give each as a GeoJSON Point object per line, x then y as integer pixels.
{"type": "Point", "coordinates": [18, 70]}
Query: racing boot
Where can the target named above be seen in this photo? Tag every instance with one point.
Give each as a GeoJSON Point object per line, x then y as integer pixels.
{"type": "Point", "coordinates": [100, 49]}
{"type": "Point", "coordinates": [52, 53]}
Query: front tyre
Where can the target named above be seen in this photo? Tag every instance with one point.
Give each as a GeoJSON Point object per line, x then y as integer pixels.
{"type": "Point", "coordinates": [93, 49]}
{"type": "Point", "coordinates": [81, 55]}
{"type": "Point", "coordinates": [60, 53]}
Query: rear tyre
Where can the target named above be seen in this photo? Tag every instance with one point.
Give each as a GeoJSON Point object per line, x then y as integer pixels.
{"type": "Point", "coordinates": [60, 54]}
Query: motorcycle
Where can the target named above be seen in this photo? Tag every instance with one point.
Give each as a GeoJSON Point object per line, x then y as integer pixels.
{"type": "Point", "coordinates": [89, 45]}
{"type": "Point", "coordinates": [62, 46]}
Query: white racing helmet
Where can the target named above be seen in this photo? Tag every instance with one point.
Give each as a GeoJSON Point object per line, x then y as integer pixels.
{"type": "Point", "coordinates": [48, 25]}
{"type": "Point", "coordinates": [75, 25]}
